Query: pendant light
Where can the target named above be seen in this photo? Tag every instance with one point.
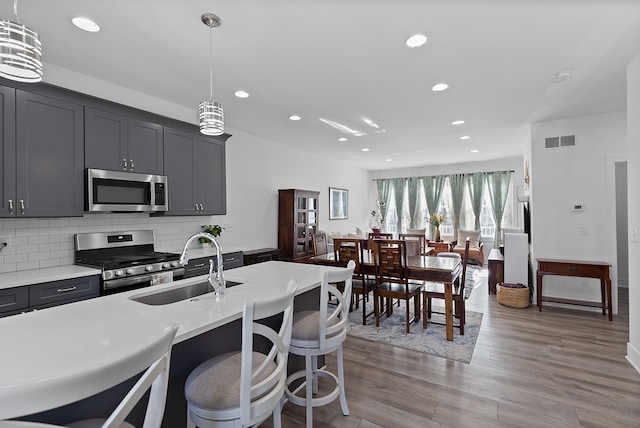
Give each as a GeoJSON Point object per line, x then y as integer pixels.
{"type": "Point", "coordinates": [211, 113]}
{"type": "Point", "coordinates": [20, 51]}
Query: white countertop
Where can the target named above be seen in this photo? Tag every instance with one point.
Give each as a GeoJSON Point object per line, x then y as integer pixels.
{"type": "Point", "coordinates": [37, 276]}
{"type": "Point", "coordinates": [43, 346]}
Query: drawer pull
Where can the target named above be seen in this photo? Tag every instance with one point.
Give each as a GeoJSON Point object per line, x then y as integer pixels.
{"type": "Point", "coordinates": [199, 265]}
{"type": "Point", "coordinates": [231, 259]}
{"type": "Point", "coordinates": [573, 269]}
{"type": "Point", "coordinates": [66, 290]}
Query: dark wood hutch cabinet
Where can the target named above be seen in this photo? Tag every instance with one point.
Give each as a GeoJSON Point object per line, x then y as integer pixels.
{"type": "Point", "coordinates": [297, 221]}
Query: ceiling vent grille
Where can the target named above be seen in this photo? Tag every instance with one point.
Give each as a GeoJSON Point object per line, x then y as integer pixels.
{"type": "Point", "coordinates": [564, 141]}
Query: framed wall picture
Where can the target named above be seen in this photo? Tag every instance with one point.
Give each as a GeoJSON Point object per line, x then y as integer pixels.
{"type": "Point", "coordinates": [338, 204]}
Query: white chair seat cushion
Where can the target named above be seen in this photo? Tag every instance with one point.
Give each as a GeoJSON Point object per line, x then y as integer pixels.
{"type": "Point", "coordinates": [306, 326]}
{"type": "Point", "coordinates": [215, 384]}
{"type": "Point", "coordinates": [94, 423]}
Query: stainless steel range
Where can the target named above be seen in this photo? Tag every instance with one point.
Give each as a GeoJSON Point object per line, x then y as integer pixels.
{"type": "Point", "coordinates": [127, 259]}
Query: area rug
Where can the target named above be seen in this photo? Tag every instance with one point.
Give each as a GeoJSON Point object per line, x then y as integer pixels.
{"type": "Point", "coordinates": [431, 340]}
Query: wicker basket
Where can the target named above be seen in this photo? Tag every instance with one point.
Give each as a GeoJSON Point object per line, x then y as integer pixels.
{"type": "Point", "coordinates": [513, 295]}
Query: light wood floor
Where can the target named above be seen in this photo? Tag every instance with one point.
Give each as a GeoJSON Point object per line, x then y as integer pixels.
{"type": "Point", "coordinates": [555, 368]}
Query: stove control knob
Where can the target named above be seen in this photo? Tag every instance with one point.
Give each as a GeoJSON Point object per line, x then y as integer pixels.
{"type": "Point", "coordinates": [130, 271]}
{"type": "Point", "coordinates": [119, 273]}
{"type": "Point", "coordinates": [148, 268]}
{"type": "Point", "coordinates": [166, 265]}
{"type": "Point", "coordinates": [174, 264]}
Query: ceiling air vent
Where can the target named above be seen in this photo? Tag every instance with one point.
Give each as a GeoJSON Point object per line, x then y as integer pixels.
{"type": "Point", "coordinates": [564, 141]}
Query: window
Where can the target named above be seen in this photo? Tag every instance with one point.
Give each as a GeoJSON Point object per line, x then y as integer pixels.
{"type": "Point", "coordinates": [467, 217]}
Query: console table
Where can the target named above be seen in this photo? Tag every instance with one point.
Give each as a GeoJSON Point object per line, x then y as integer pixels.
{"type": "Point", "coordinates": [578, 268]}
{"type": "Point", "coordinates": [495, 264]}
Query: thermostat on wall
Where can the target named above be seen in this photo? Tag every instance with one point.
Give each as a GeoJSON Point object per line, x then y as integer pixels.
{"type": "Point", "coordinates": [577, 207]}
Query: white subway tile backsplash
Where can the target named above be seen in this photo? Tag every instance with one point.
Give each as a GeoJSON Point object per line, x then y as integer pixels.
{"type": "Point", "coordinates": [39, 243]}
{"type": "Point", "coordinates": [28, 265]}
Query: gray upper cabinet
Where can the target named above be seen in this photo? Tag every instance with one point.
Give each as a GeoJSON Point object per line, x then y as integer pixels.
{"type": "Point", "coordinates": [119, 143]}
{"type": "Point", "coordinates": [195, 167]}
{"type": "Point", "coordinates": [49, 157]}
{"type": "Point", "coordinates": [8, 151]}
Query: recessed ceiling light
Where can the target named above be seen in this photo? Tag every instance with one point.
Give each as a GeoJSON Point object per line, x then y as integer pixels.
{"type": "Point", "coordinates": [475, 151]}
{"type": "Point", "coordinates": [416, 41]}
{"type": "Point", "coordinates": [85, 24]}
{"type": "Point", "coordinates": [342, 139]}
{"type": "Point", "coordinates": [241, 94]}
{"type": "Point", "coordinates": [438, 87]}
{"type": "Point", "coordinates": [389, 160]}
{"type": "Point", "coordinates": [294, 117]}
{"type": "Point", "coordinates": [457, 122]}
{"type": "Point", "coordinates": [465, 137]}
{"type": "Point", "coordinates": [561, 76]}
{"type": "Point", "coordinates": [365, 149]}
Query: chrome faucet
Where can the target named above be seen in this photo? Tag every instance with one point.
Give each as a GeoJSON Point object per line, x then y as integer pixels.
{"type": "Point", "coordinates": [216, 279]}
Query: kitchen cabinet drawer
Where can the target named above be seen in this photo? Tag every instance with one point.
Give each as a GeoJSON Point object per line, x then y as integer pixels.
{"type": "Point", "coordinates": [14, 300]}
{"type": "Point", "coordinates": [65, 291]}
{"type": "Point", "coordinates": [200, 266]}
{"type": "Point", "coordinates": [232, 260]}
{"type": "Point", "coordinates": [259, 256]}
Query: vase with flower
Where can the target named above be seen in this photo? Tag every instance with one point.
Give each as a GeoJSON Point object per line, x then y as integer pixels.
{"type": "Point", "coordinates": [436, 220]}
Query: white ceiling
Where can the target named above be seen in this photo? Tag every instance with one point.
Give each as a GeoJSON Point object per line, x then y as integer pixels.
{"type": "Point", "coordinates": [345, 60]}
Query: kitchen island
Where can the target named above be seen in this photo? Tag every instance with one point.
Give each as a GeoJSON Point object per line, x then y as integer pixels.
{"type": "Point", "coordinates": [41, 348]}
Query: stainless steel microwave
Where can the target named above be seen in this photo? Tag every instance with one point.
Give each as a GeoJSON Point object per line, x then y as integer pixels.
{"type": "Point", "coordinates": [125, 191]}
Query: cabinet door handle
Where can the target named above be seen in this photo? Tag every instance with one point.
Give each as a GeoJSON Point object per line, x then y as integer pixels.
{"type": "Point", "coordinates": [131, 163]}
{"type": "Point", "coordinates": [199, 265]}
{"type": "Point", "coordinates": [196, 207]}
{"type": "Point", "coordinates": [124, 164]}
{"type": "Point", "coordinates": [201, 207]}
{"type": "Point", "coordinates": [21, 206]}
{"type": "Point", "coordinates": [10, 206]}
{"type": "Point", "coordinates": [66, 290]}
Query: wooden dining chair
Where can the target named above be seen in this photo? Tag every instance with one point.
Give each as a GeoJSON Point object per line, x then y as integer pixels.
{"type": "Point", "coordinates": [390, 260]}
{"type": "Point", "coordinates": [377, 235]}
{"type": "Point", "coordinates": [346, 249]}
{"type": "Point", "coordinates": [416, 243]}
{"type": "Point", "coordinates": [319, 244]}
{"type": "Point", "coordinates": [435, 290]}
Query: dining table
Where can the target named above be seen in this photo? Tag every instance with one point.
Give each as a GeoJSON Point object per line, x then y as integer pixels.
{"type": "Point", "coordinates": [446, 270]}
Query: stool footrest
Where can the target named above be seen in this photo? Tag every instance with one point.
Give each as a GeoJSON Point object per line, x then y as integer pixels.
{"type": "Point", "coordinates": [316, 401]}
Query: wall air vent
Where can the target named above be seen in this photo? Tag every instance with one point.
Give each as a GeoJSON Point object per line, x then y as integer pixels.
{"type": "Point", "coordinates": [564, 141]}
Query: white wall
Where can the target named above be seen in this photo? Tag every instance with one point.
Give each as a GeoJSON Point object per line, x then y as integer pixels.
{"type": "Point", "coordinates": [633, 165]}
{"type": "Point", "coordinates": [565, 176]}
{"type": "Point", "coordinates": [256, 169]}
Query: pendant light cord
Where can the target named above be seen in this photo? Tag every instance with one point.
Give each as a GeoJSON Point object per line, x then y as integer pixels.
{"type": "Point", "coordinates": [15, 10]}
{"type": "Point", "coordinates": [210, 63]}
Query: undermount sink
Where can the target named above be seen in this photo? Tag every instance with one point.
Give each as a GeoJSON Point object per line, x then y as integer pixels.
{"type": "Point", "coordinates": [181, 293]}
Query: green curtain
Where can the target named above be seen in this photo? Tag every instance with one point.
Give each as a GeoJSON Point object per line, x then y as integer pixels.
{"type": "Point", "coordinates": [433, 192]}
{"type": "Point", "coordinates": [475, 185]}
{"type": "Point", "coordinates": [398, 191]}
{"type": "Point", "coordinates": [456, 182]}
{"type": "Point", "coordinates": [383, 186]}
{"type": "Point", "coordinates": [413, 185]}
{"type": "Point", "coordinates": [498, 183]}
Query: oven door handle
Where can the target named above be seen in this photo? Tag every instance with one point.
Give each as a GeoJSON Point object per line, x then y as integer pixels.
{"type": "Point", "coordinates": [123, 282]}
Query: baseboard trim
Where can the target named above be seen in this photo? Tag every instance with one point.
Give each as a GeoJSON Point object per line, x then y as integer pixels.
{"type": "Point", "coordinates": [633, 356]}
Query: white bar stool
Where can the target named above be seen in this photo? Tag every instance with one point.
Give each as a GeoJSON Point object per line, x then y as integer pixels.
{"type": "Point", "coordinates": [320, 332]}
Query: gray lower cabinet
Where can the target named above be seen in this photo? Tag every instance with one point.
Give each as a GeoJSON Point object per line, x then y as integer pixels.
{"type": "Point", "coordinates": [119, 143]}
{"type": "Point", "coordinates": [48, 294]}
{"type": "Point", "coordinates": [14, 300]}
{"type": "Point", "coordinates": [200, 266]}
{"type": "Point", "coordinates": [42, 157]}
{"type": "Point", "coordinates": [195, 167]}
